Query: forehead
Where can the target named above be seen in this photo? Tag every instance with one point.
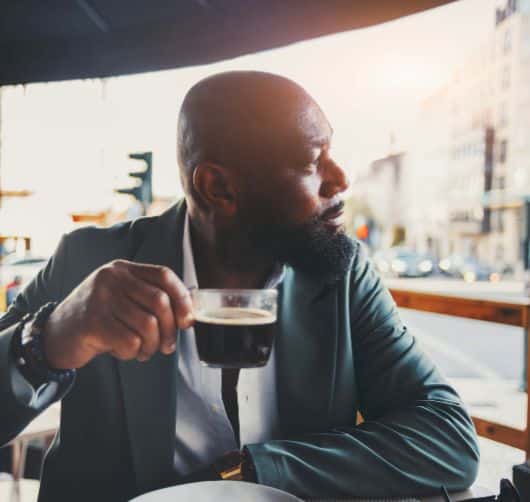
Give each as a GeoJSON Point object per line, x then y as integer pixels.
{"type": "Point", "coordinates": [302, 130]}
{"type": "Point", "coordinates": [313, 126]}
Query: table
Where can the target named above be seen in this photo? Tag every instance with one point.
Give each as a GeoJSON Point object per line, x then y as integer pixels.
{"type": "Point", "coordinates": [235, 491]}
{"type": "Point", "coordinates": [43, 427]}
{"type": "Point", "coordinates": [28, 490]}
{"type": "Point", "coordinates": [474, 491]}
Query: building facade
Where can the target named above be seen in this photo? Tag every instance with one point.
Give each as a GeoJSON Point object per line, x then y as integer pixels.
{"type": "Point", "coordinates": [476, 132]}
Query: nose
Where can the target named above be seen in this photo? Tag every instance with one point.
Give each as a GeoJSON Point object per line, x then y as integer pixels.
{"type": "Point", "coordinates": [334, 180]}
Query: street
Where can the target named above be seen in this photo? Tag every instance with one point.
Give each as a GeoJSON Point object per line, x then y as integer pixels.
{"type": "Point", "coordinates": [466, 348]}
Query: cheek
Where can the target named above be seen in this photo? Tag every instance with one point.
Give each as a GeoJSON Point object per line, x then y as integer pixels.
{"type": "Point", "coordinates": [299, 198]}
{"type": "Point", "coordinates": [290, 198]}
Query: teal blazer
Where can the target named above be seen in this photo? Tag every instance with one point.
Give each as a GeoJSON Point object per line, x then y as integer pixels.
{"type": "Point", "coordinates": [341, 349]}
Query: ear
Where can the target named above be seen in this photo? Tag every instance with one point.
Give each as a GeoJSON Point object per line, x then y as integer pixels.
{"type": "Point", "coordinates": [214, 185]}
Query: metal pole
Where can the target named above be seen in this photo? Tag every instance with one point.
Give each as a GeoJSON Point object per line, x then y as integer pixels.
{"type": "Point", "coordinates": [524, 386]}
{"type": "Point", "coordinates": [526, 356]}
{"type": "Point", "coordinates": [526, 279]}
{"type": "Point", "coordinates": [489, 142]}
{"type": "Point", "coordinates": [521, 472]}
{"type": "Point", "coordinates": [0, 146]}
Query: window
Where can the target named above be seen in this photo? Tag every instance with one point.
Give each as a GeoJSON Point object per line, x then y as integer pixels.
{"type": "Point", "coordinates": [505, 78]}
{"type": "Point", "coordinates": [499, 252]}
{"type": "Point", "coordinates": [500, 183]}
{"type": "Point", "coordinates": [498, 221]}
{"type": "Point", "coordinates": [502, 119]}
{"type": "Point", "coordinates": [503, 151]}
{"type": "Point", "coordinates": [507, 41]}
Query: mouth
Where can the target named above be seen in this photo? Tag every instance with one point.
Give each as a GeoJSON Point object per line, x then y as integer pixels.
{"type": "Point", "coordinates": [334, 215]}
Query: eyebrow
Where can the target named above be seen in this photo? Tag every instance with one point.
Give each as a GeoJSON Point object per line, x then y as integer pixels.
{"type": "Point", "coordinates": [324, 139]}
{"type": "Point", "coordinates": [321, 141]}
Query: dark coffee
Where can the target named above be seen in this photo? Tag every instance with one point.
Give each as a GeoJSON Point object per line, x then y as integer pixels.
{"type": "Point", "coordinates": [233, 337]}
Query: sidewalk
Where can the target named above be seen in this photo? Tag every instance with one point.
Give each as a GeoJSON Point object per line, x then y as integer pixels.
{"type": "Point", "coordinates": [494, 399]}
{"type": "Point", "coordinates": [502, 402]}
{"type": "Point", "coordinates": [496, 462]}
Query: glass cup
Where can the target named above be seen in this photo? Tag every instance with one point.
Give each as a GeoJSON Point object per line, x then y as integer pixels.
{"type": "Point", "coordinates": [234, 328]}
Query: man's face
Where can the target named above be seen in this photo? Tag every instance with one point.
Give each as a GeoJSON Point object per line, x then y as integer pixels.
{"type": "Point", "coordinates": [290, 205]}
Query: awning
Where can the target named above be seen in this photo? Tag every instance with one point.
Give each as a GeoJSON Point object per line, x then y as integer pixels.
{"type": "Point", "coordinates": [67, 39]}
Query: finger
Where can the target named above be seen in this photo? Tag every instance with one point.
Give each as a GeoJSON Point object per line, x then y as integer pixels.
{"type": "Point", "coordinates": [164, 278]}
{"type": "Point", "coordinates": [141, 322]}
{"type": "Point", "coordinates": [157, 302]}
{"type": "Point", "coordinates": [123, 342]}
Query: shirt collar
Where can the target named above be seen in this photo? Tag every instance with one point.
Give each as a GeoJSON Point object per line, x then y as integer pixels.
{"type": "Point", "coordinates": [189, 271]}
{"type": "Point", "coordinates": [188, 263]}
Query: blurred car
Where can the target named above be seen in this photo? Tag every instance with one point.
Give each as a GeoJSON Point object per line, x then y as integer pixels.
{"type": "Point", "coordinates": [403, 262]}
{"type": "Point", "coordinates": [468, 268]}
{"type": "Point", "coordinates": [24, 269]}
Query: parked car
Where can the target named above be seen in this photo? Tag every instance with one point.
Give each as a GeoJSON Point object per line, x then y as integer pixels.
{"type": "Point", "coordinates": [15, 273]}
{"type": "Point", "coordinates": [469, 268]}
{"type": "Point", "coordinates": [403, 262]}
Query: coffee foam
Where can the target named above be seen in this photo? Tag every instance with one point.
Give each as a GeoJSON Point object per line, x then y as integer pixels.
{"type": "Point", "coordinates": [236, 316]}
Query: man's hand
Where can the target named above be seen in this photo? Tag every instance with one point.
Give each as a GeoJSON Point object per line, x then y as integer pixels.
{"type": "Point", "coordinates": [127, 309]}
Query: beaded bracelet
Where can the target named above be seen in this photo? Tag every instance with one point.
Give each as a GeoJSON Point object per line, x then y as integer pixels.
{"type": "Point", "coordinates": [30, 355]}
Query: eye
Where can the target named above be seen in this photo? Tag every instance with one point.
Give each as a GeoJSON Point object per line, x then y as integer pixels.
{"type": "Point", "coordinates": [311, 167]}
{"type": "Point", "coordinates": [314, 160]}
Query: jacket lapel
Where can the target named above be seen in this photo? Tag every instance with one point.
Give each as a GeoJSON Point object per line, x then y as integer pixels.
{"type": "Point", "coordinates": [314, 355]}
{"type": "Point", "coordinates": [149, 389]}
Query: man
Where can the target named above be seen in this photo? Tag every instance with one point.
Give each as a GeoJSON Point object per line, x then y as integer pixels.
{"type": "Point", "coordinates": [262, 209]}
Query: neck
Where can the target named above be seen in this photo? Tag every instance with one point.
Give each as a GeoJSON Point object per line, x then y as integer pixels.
{"type": "Point", "coordinates": [226, 261]}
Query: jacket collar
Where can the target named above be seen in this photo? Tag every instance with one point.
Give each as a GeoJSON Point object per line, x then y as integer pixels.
{"type": "Point", "coordinates": [149, 389]}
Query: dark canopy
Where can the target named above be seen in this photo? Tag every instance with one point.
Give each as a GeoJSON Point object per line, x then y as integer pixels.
{"type": "Point", "coordinates": [65, 39]}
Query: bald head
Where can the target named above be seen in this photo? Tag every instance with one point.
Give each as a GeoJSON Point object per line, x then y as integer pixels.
{"type": "Point", "coordinates": [261, 184]}
{"type": "Point", "coordinates": [240, 120]}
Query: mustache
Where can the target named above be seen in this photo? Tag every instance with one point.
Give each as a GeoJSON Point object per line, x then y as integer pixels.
{"type": "Point", "coordinates": [332, 210]}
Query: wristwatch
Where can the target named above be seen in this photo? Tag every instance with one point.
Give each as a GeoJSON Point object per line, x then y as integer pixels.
{"type": "Point", "coordinates": [229, 466]}
{"type": "Point", "coordinates": [236, 466]}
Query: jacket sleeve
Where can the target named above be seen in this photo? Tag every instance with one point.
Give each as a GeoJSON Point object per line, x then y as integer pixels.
{"type": "Point", "coordinates": [416, 434]}
{"type": "Point", "coordinates": [20, 402]}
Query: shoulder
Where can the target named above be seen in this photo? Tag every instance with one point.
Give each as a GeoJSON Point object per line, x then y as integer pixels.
{"type": "Point", "coordinates": [86, 249]}
{"type": "Point", "coordinates": [124, 238]}
{"type": "Point", "coordinates": [118, 239]}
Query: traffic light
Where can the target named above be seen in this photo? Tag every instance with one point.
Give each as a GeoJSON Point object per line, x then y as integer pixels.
{"type": "Point", "coordinates": [143, 191]}
{"type": "Point", "coordinates": [362, 232]}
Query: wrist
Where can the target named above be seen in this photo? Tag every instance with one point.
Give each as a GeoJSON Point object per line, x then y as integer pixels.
{"type": "Point", "coordinates": [248, 469]}
{"type": "Point", "coordinates": [228, 466]}
{"type": "Point", "coordinates": [236, 466]}
{"type": "Point", "coordinates": [21, 359]}
{"type": "Point", "coordinates": [31, 356]}
{"type": "Point", "coordinates": [52, 351]}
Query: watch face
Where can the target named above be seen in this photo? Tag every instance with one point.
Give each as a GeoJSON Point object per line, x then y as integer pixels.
{"type": "Point", "coordinates": [232, 474]}
{"type": "Point", "coordinates": [229, 465]}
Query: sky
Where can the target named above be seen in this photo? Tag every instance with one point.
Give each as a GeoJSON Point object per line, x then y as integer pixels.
{"type": "Point", "coordinates": [68, 141]}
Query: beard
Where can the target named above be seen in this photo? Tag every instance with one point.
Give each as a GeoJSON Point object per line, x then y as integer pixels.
{"type": "Point", "coordinates": [312, 247]}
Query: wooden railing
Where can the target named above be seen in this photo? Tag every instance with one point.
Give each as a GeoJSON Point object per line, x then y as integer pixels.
{"type": "Point", "coordinates": [510, 313]}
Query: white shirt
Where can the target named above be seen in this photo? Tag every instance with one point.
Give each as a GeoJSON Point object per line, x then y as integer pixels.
{"type": "Point", "coordinates": [203, 430]}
